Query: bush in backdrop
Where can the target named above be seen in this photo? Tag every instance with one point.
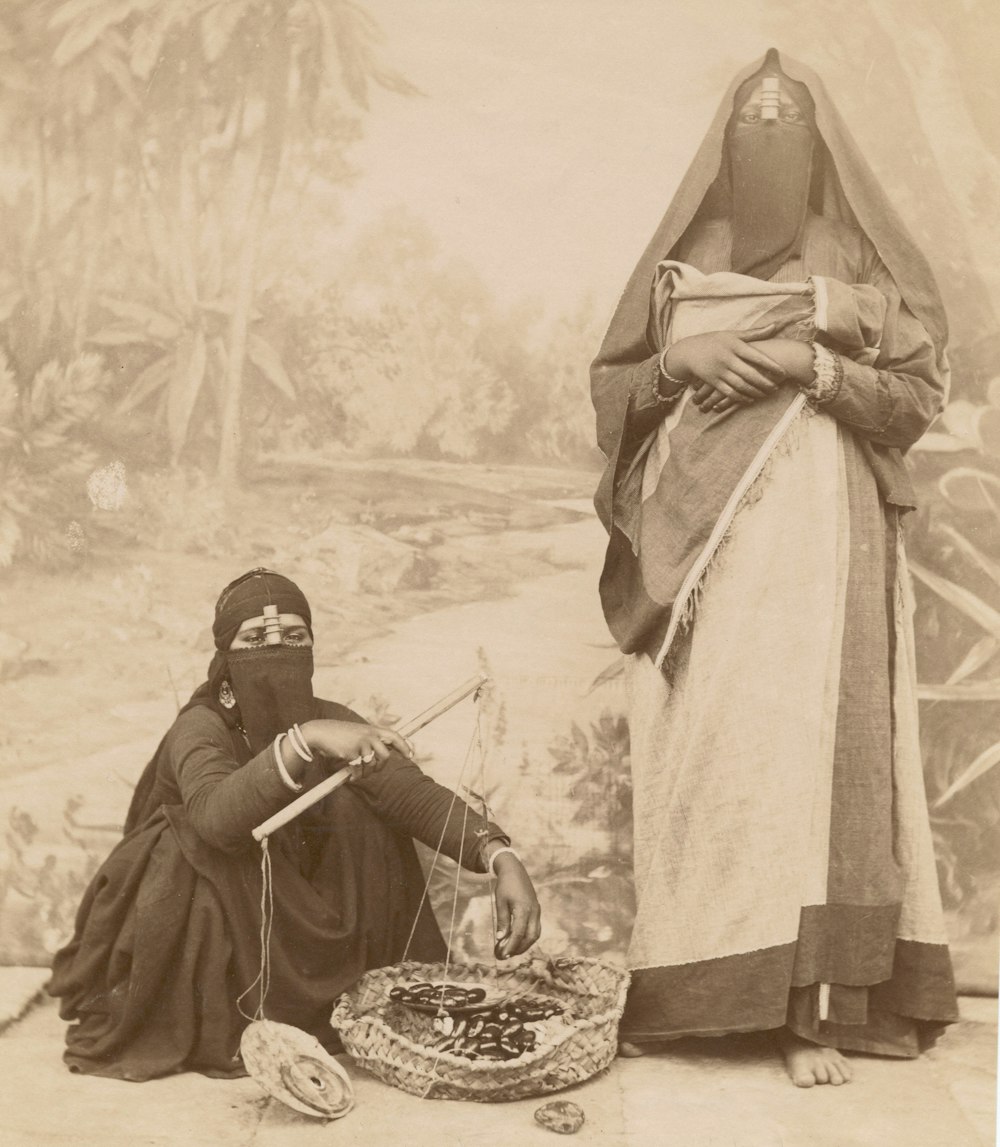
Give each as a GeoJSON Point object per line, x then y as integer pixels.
{"type": "Point", "coordinates": [47, 452]}
{"type": "Point", "coordinates": [404, 351]}
{"type": "Point", "coordinates": [954, 545]}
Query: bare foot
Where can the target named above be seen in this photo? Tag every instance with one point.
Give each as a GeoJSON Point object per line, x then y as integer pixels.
{"type": "Point", "coordinates": [810, 1063]}
{"type": "Point", "coordinates": [630, 1050]}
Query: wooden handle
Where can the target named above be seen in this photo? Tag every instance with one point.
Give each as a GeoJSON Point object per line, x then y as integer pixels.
{"type": "Point", "coordinates": [342, 776]}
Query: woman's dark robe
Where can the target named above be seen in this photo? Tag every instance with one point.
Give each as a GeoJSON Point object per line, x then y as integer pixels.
{"type": "Point", "coordinates": [168, 934]}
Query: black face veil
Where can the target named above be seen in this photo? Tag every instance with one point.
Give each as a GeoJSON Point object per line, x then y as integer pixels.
{"type": "Point", "coordinates": [261, 691]}
{"type": "Point", "coordinates": [273, 690]}
{"type": "Point", "coordinates": [770, 167]}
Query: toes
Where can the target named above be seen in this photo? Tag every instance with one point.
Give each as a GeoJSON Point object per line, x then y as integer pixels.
{"type": "Point", "coordinates": [803, 1078]}
{"type": "Point", "coordinates": [821, 1071]}
{"type": "Point", "coordinates": [840, 1072]}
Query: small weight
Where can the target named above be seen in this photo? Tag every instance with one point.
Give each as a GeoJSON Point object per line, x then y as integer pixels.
{"type": "Point", "coordinates": [560, 1116]}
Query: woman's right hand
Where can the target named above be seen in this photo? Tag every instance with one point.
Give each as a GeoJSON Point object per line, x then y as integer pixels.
{"type": "Point", "coordinates": [352, 740]}
{"type": "Point", "coordinates": [727, 364]}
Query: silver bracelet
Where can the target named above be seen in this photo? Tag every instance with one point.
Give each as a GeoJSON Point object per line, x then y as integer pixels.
{"type": "Point", "coordinates": [665, 376]}
{"type": "Point", "coordinates": [286, 776]}
{"type": "Point", "coordinates": [493, 858]}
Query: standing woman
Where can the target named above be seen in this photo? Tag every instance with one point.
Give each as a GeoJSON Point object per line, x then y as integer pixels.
{"type": "Point", "coordinates": [779, 346]}
{"type": "Point", "coordinates": [168, 934]}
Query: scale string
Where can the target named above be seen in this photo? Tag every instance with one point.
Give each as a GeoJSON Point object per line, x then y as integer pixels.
{"type": "Point", "coordinates": [475, 744]}
{"type": "Point", "coordinates": [481, 751]}
{"type": "Point", "coordinates": [266, 922]}
{"type": "Point", "coordinates": [438, 848]}
{"type": "Point", "coordinates": [430, 876]}
{"type": "Point", "coordinates": [458, 875]}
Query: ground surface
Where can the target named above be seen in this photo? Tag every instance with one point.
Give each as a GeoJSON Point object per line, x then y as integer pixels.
{"type": "Point", "coordinates": [700, 1094]}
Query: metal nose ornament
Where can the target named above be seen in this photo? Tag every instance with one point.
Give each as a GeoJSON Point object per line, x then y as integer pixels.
{"type": "Point", "coordinates": [272, 625]}
{"type": "Point", "coordinates": [770, 98]}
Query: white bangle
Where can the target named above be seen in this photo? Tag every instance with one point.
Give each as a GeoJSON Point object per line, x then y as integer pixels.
{"type": "Point", "coordinates": [298, 743]}
{"type": "Point", "coordinates": [493, 858]}
{"type": "Point", "coordinates": [286, 776]}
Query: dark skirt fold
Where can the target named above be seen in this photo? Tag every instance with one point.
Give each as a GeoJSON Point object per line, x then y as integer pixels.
{"type": "Point", "coordinates": [896, 1010]}
{"type": "Point", "coordinates": [168, 937]}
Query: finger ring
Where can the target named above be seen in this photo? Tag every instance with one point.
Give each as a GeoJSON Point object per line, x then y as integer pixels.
{"type": "Point", "coordinates": [368, 758]}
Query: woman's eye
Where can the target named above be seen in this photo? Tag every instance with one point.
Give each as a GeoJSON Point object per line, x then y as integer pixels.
{"type": "Point", "coordinates": [749, 117]}
{"type": "Point", "coordinates": [252, 638]}
{"type": "Point", "coordinates": [791, 115]}
{"type": "Point", "coordinates": [296, 637]}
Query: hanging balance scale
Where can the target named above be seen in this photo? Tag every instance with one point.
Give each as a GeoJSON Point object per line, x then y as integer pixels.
{"type": "Point", "coordinates": [286, 1062]}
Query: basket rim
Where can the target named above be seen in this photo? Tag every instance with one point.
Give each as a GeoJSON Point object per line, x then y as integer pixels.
{"type": "Point", "coordinates": [623, 974]}
{"type": "Point", "coordinates": [344, 1009]}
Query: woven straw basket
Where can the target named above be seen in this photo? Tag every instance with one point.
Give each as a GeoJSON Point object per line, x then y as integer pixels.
{"type": "Point", "coordinates": [389, 1039]}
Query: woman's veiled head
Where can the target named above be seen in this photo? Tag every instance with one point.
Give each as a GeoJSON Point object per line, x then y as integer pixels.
{"type": "Point", "coordinates": [260, 678]}
{"type": "Point", "coordinates": [770, 144]}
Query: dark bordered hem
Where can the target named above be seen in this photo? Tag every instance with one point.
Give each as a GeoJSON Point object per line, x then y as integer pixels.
{"type": "Point", "coordinates": [899, 1014]}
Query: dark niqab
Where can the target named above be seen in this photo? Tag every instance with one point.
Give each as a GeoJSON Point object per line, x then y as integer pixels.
{"type": "Point", "coordinates": [769, 166]}
{"type": "Point", "coordinates": [769, 169]}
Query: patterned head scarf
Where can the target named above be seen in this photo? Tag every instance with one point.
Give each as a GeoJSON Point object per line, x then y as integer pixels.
{"type": "Point", "coordinates": [246, 597]}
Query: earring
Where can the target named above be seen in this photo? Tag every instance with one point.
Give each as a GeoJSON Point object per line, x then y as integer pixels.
{"type": "Point", "coordinates": [227, 699]}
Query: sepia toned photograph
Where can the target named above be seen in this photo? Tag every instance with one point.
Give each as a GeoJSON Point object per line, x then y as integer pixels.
{"type": "Point", "coordinates": [499, 573]}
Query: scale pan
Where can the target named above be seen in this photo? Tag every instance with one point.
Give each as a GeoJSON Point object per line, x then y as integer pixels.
{"type": "Point", "coordinates": [296, 1069]}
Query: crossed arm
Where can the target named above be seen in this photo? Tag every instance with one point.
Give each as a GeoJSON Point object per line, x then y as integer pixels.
{"type": "Point", "coordinates": [890, 403]}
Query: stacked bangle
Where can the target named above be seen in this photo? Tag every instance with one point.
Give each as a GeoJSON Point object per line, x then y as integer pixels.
{"type": "Point", "coordinates": [285, 775]}
{"type": "Point", "coordinates": [493, 858]}
{"type": "Point", "coordinates": [664, 376]}
{"type": "Point", "coordinates": [298, 743]}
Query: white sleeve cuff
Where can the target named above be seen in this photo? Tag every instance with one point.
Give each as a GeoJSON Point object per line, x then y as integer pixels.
{"type": "Point", "coordinates": [821, 299]}
{"type": "Point", "coordinates": [829, 370]}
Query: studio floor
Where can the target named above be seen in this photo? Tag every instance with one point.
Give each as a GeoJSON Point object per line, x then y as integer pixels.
{"type": "Point", "coordinates": [699, 1094]}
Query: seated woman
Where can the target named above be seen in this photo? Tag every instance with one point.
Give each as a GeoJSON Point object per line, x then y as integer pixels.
{"type": "Point", "coordinates": [168, 934]}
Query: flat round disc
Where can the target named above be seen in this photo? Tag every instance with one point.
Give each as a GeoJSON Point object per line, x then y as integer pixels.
{"type": "Point", "coordinates": [296, 1069]}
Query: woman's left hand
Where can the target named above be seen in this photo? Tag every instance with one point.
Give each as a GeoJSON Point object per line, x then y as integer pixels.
{"type": "Point", "coordinates": [795, 358]}
{"type": "Point", "coordinates": [519, 918]}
